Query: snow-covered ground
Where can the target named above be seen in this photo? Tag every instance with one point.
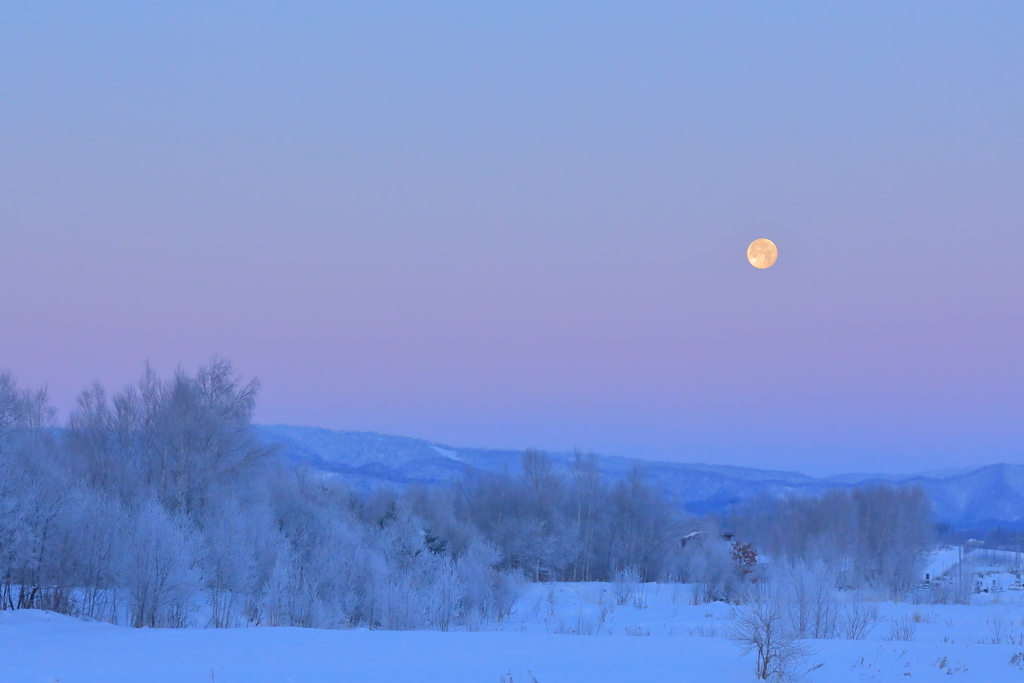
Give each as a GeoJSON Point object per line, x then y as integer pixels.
{"type": "Point", "coordinates": [941, 561]}
{"type": "Point", "coordinates": [659, 638]}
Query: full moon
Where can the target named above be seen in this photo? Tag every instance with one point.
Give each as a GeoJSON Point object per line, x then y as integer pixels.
{"type": "Point", "coordinates": [762, 253]}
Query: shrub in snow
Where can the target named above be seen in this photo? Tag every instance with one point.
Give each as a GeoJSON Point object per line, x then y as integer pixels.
{"type": "Point", "coordinates": [627, 585]}
{"type": "Point", "coordinates": [997, 627]}
{"type": "Point", "coordinates": [857, 620]}
{"type": "Point", "coordinates": [444, 596]}
{"type": "Point", "coordinates": [708, 563]}
{"type": "Point", "coordinates": [811, 598]}
{"type": "Point", "coordinates": [507, 587]}
{"type": "Point", "coordinates": [761, 627]}
{"type": "Point", "coordinates": [902, 628]}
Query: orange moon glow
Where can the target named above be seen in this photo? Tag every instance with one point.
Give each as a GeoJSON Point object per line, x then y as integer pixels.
{"type": "Point", "coordinates": [762, 253]}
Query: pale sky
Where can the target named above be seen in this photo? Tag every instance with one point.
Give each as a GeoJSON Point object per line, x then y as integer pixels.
{"type": "Point", "coordinates": [525, 225]}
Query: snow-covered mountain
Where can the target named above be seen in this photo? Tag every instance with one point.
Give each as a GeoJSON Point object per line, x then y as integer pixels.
{"type": "Point", "coordinates": [986, 496]}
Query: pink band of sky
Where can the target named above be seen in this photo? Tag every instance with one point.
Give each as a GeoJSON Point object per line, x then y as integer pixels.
{"type": "Point", "coordinates": [527, 226]}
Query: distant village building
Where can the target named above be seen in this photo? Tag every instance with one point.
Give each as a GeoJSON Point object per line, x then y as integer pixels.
{"type": "Point", "coordinates": [701, 536]}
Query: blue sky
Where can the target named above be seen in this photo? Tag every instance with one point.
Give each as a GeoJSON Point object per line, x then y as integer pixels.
{"type": "Point", "coordinates": [515, 225]}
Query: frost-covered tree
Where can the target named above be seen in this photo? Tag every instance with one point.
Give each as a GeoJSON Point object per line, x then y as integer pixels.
{"type": "Point", "coordinates": [867, 536]}
{"type": "Point", "coordinates": [159, 498]}
{"type": "Point", "coordinates": [761, 627]}
{"type": "Point", "coordinates": [157, 501]}
{"type": "Point", "coordinates": [162, 575]}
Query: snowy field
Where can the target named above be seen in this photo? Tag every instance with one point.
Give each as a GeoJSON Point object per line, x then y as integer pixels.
{"type": "Point", "coordinates": [558, 633]}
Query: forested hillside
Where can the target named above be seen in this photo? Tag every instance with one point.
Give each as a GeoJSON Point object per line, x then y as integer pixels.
{"type": "Point", "coordinates": [988, 496]}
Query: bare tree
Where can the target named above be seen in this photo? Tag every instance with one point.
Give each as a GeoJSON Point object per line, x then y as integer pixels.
{"type": "Point", "coordinates": [868, 535]}
{"type": "Point", "coordinates": [812, 598]}
{"type": "Point", "coordinates": [761, 627]}
{"type": "Point", "coordinates": [858, 619]}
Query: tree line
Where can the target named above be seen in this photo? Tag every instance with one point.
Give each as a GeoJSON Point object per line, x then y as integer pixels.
{"type": "Point", "coordinates": [157, 506]}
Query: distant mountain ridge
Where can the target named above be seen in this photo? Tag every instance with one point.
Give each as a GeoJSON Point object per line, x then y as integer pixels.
{"type": "Point", "coordinates": [987, 496]}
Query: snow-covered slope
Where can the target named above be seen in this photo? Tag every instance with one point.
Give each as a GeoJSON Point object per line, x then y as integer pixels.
{"type": "Point", "coordinates": [985, 496]}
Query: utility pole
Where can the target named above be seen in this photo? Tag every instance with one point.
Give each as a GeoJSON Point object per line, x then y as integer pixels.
{"type": "Point", "coordinates": [959, 564]}
{"type": "Point", "coordinates": [1017, 562]}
